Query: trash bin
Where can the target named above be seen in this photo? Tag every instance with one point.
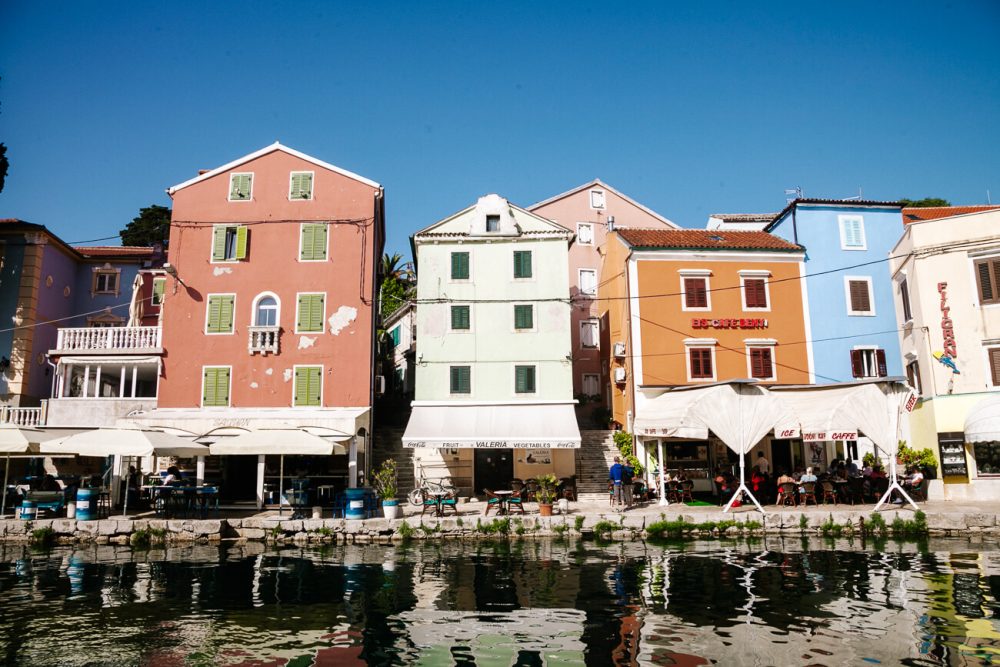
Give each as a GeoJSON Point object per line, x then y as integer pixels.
{"type": "Point", "coordinates": [86, 504]}
{"type": "Point", "coordinates": [29, 511]}
{"type": "Point", "coordinates": [355, 504]}
{"type": "Point", "coordinates": [71, 509]}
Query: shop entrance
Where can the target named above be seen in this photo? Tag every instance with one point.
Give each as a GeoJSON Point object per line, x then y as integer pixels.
{"type": "Point", "coordinates": [781, 456]}
{"type": "Point", "coordinates": [239, 478]}
{"type": "Point", "coordinates": [494, 469]}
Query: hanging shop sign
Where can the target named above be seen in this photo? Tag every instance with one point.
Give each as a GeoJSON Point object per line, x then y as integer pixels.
{"type": "Point", "coordinates": [947, 327]}
{"type": "Point", "coordinates": [729, 323]}
{"type": "Point", "coordinates": [492, 444]}
{"type": "Point", "coordinates": [816, 436]}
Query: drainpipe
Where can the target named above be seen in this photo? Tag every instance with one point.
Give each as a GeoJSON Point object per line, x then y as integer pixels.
{"type": "Point", "coordinates": [379, 241]}
{"type": "Point", "coordinates": [795, 228]}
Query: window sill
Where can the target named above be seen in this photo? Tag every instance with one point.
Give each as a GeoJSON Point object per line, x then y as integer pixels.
{"type": "Point", "coordinates": [850, 314]}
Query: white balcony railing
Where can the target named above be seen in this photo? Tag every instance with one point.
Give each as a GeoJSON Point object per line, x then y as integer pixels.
{"type": "Point", "coordinates": [21, 416]}
{"type": "Point", "coordinates": [263, 340]}
{"type": "Point", "coordinates": [94, 339]}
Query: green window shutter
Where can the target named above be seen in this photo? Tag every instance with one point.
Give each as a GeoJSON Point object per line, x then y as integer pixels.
{"type": "Point", "coordinates": [216, 387]}
{"type": "Point", "coordinates": [240, 185]}
{"type": "Point", "coordinates": [459, 266]}
{"type": "Point", "coordinates": [524, 379]}
{"type": "Point", "coordinates": [159, 287]}
{"type": "Point", "coordinates": [241, 242]}
{"type": "Point", "coordinates": [220, 313]}
{"type": "Point", "coordinates": [218, 244]}
{"type": "Point", "coordinates": [524, 317]}
{"type": "Point", "coordinates": [460, 317]}
{"type": "Point", "coordinates": [320, 239]}
{"type": "Point", "coordinates": [313, 242]}
{"type": "Point", "coordinates": [461, 377]}
{"type": "Point", "coordinates": [308, 380]}
{"type": "Point", "coordinates": [310, 316]}
{"type": "Point", "coordinates": [394, 335]}
{"type": "Point", "coordinates": [301, 186]}
{"type": "Point", "coordinates": [522, 263]}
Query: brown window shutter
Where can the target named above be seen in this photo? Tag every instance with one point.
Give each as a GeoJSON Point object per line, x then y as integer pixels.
{"type": "Point", "coordinates": [880, 363]}
{"type": "Point", "coordinates": [857, 366]}
{"type": "Point", "coordinates": [995, 365]}
{"type": "Point", "coordinates": [706, 362]}
{"type": "Point", "coordinates": [695, 295]}
{"type": "Point", "coordinates": [695, 362]}
{"type": "Point", "coordinates": [860, 299]}
{"type": "Point", "coordinates": [986, 272]}
{"type": "Point", "coordinates": [701, 363]}
{"type": "Point", "coordinates": [904, 296]}
{"type": "Point", "coordinates": [755, 294]}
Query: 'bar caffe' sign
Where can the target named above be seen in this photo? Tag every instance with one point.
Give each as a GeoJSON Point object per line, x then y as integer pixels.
{"type": "Point", "coordinates": [729, 323]}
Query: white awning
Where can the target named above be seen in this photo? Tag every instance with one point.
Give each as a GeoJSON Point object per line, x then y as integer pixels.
{"type": "Point", "coordinates": [200, 422]}
{"type": "Point", "coordinates": [123, 442]}
{"type": "Point", "coordinates": [522, 426]}
{"type": "Point", "coordinates": [107, 361]}
{"type": "Point", "coordinates": [669, 416]}
{"type": "Point", "coordinates": [982, 424]}
{"type": "Point", "coordinates": [21, 439]}
{"type": "Point", "coordinates": [278, 441]}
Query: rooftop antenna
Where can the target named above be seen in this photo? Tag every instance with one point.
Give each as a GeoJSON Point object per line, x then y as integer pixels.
{"type": "Point", "coordinates": [792, 194]}
{"type": "Point", "coordinates": [988, 200]}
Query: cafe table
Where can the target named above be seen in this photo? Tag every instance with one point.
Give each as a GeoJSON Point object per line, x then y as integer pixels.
{"type": "Point", "coordinates": [504, 499]}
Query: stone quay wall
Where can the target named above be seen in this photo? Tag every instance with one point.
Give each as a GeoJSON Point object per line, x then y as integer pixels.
{"type": "Point", "coordinates": [610, 526]}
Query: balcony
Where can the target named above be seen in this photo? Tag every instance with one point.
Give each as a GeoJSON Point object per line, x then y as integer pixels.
{"type": "Point", "coordinates": [104, 340]}
{"type": "Point", "coordinates": [264, 340]}
{"type": "Point", "coordinates": [21, 416]}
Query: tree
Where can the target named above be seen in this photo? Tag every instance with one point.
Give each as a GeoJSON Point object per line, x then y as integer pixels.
{"type": "Point", "coordinates": [926, 202]}
{"type": "Point", "coordinates": [151, 226]}
{"type": "Point", "coordinates": [397, 283]}
{"type": "Point", "coordinates": [4, 164]}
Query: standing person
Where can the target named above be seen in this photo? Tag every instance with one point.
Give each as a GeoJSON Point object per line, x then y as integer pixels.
{"type": "Point", "coordinates": [615, 477]}
{"type": "Point", "coordinates": [628, 477]}
{"type": "Point", "coordinates": [763, 465]}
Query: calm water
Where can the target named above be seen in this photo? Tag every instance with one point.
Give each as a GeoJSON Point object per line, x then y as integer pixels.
{"type": "Point", "coordinates": [777, 601]}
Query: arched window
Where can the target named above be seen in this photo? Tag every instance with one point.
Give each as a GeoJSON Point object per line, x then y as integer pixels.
{"type": "Point", "coordinates": [266, 314]}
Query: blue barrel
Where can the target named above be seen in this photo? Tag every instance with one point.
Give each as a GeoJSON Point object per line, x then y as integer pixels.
{"type": "Point", "coordinates": [86, 504]}
{"type": "Point", "coordinates": [29, 510]}
{"type": "Point", "coordinates": [355, 504]}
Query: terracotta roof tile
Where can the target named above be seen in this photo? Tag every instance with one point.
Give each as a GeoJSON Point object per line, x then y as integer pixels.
{"type": "Point", "coordinates": [744, 217]}
{"type": "Point", "coordinates": [915, 214]}
{"type": "Point", "coordinates": [705, 239]}
{"type": "Point", "coordinates": [114, 251]}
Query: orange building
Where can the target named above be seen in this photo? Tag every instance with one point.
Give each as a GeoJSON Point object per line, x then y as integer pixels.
{"type": "Point", "coordinates": [685, 307]}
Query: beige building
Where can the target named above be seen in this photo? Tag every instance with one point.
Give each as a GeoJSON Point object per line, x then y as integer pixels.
{"type": "Point", "coordinates": [946, 274]}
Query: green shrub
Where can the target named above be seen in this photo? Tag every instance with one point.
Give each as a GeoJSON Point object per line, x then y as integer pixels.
{"type": "Point", "coordinates": [803, 522]}
{"type": "Point", "coordinates": [405, 530]}
{"type": "Point", "coordinates": [561, 528]}
{"type": "Point", "coordinates": [831, 528]}
{"type": "Point", "coordinates": [578, 523]}
{"type": "Point", "coordinates": [875, 526]}
{"type": "Point", "coordinates": [42, 537]}
{"type": "Point", "coordinates": [604, 528]}
{"type": "Point", "coordinates": [495, 527]}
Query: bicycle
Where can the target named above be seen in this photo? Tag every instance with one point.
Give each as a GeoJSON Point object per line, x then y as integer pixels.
{"type": "Point", "coordinates": [426, 487]}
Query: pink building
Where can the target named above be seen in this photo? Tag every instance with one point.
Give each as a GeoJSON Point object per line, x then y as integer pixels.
{"type": "Point", "coordinates": [589, 211]}
{"type": "Point", "coordinates": [268, 313]}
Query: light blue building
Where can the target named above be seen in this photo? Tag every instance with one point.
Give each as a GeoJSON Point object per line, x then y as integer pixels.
{"type": "Point", "coordinates": [851, 317]}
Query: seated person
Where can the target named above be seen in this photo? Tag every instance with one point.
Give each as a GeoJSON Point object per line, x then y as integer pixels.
{"type": "Point", "coordinates": [808, 476]}
{"type": "Point", "coordinates": [879, 473]}
{"type": "Point", "coordinates": [726, 483]}
{"type": "Point", "coordinates": [173, 477]}
{"type": "Point", "coordinates": [756, 480]}
{"type": "Point", "coordinates": [915, 478]}
{"type": "Point", "coordinates": [49, 483]}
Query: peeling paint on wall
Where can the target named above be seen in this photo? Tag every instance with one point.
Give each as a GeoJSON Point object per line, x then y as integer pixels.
{"type": "Point", "coordinates": [254, 385]}
{"type": "Point", "coordinates": [220, 270]}
{"type": "Point", "coordinates": [306, 341]}
{"type": "Point", "coordinates": [340, 319]}
{"type": "Point", "coordinates": [287, 375]}
{"type": "Point", "coordinates": [269, 371]}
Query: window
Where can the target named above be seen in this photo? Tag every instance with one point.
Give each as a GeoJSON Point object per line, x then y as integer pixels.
{"type": "Point", "coordinates": [240, 187]}
{"type": "Point", "coordinates": [106, 282]}
{"type": "Point", "coordinates": [868, 363]}
{"type": "Point", "coordinates": [215, 386]}
{"type": "Point", "coordinates": [755, 294]}
{"type": "Point", "coordinates": [460, 320]}
{"type": "Point", "coordinates": [597, 199]}
{"type": "Point", "coordinates": [312, 242]}
{"type": "Point", "coordinates": [700, 359]}
{"type": "Point", "coordinates": [588, 333]}
{"type": "Point", "coordinates": [524, 379]}
{"type": "Point", "coordinates": [913, 376]}
{"type": "Point", "coordinates": [308, 386]}
{"type": "Point", "coordinates": [987, 458]}
{"type": "Point", "coordinates": [219, 318]}
{"type": "Point", "coordinates": [904, 296]}
{"type": "Point", "coordinates": [524, 317]}
{"type": "Point", "coordinates": [761, 363]}
{"type": "Point", "coordinates": [300, 185]}
{"type": "Point", "coordinates": [229, 243]}
{"type": "Point", "coordinates": [394, 336]}
{"type": "Point", "coordinates": [522, 263]}
{"type": "Point", "coordinates": [461, 379]}
{"type": "Point", "coordinates": [695, 293]}
{"type": "Point", "coordinates": [459, 266]}
{"type": "Point", "coordinates": [159, 287]}
{"type": "Point", "coordinates": [988, 280]}
{"type": "Point", "coordinates": [585, 233]}
{"type": "Point", "coordinates": [852, 232]}
{"type": "Point", "coordinates": [493, 223]}
{"type": "Point", "coordinates": [588, 282]}
{"type": "Point", "coordinates": [310, 313]}
{"type": "Point", "coordinates": [994, 357]}
{"type": "Point", "coordinates": [591, 384]}
{"type": "Point", "coordinates": [267, 312]}
{"type": "Point", "coordinates": [859, 296]}
{"type": "Point", "coordinates": [107, 380]}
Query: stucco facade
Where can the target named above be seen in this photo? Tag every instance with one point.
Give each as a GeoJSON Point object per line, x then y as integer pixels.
{"type": "Point", "coordinates": [940, 309]}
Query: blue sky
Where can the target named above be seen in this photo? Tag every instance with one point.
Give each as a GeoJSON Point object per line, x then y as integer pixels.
{"type": "Point", "coordinates": [690, 109]}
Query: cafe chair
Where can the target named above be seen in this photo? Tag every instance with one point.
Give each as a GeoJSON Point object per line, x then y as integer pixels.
{"type": "Point", "coordinates": [786, 495]}
{"type": "Point", "coordinates": [829, 493]}
{"type": "Point", "coordinates": [491, 501]}
{"type": "Point", "coordinates": [687, 491]}
{"type": "Point", "coordinates": [532, 489]}
{"type": "Point", "coordinates": [516, 502]}
{"type": "Point", "coordinates": [450, 502]}
{"type": "Point", "coordinates": [673, 492]}
{"type": "Point", "coordinates": [918, 491]}
{"type": "Point", "coordinates": [856, 490]}
{"type": "Point", "coordinates": [429, 502]}
{"type": "Point", "coordinates": [879, 486]}
{"type": "Point", "coordinates": [808, 493]}
{"type": "Point", "coordinates": [567, 488]}
{"type": "Point", "coordinates": [339, 505]}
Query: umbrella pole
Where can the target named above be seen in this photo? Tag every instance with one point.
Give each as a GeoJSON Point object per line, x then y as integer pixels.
{"type": "Point", "coordinates": [743, 487]}
{"type": "Point", "coordinates": [281, 483]}
{"type": "Point", "coordinates": [125, 506]}
{"type": "Point", "coordinates": [3, 503]}
{"type": "Point", "coordinates": [661, 464]}
{"type": "Point", "coordinates": [892, 472]}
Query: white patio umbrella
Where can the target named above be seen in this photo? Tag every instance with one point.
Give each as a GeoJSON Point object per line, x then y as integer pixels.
{"type": "Point", "coordinates": [17, 440]}
{"type": "Point", "coordinates": [280, 441]}
{"type": "Point", "coordinates": [135, 305]}
{"type": "Point", "coordinates": [124, 442]}
{"type": "Point", "coordinates": [982, 424]}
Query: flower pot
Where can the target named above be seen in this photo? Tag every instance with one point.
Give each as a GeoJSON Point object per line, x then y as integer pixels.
{"type": "Point", "coordinates": [545, 509]}
{"type": "Point", "coordinates": [390, 508]}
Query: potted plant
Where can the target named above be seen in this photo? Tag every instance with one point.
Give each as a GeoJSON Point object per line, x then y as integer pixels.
{"type": "Point", "coordinates": [384, 481]}
{"type": "Point", "coordinates": [546, 493]}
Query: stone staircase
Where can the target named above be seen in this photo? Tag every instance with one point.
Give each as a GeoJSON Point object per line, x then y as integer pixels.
{"type": "Point", "coordinates": [388, 444]}
{"type": "Point", "coordinates": [595, 456]}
